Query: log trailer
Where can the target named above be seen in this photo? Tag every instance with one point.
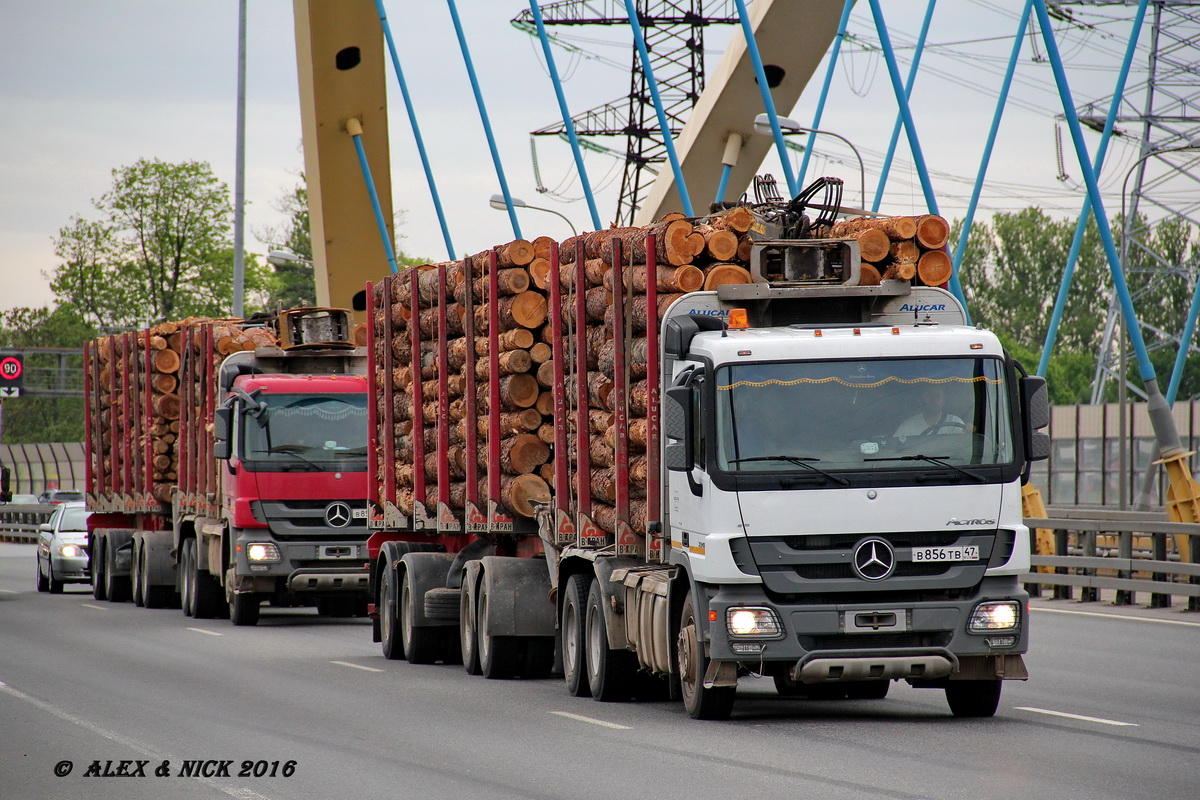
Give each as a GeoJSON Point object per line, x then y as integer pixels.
{"type": "Point", "coordinates": [673, 486]}
{"type": "Point", "coordinates": [226, 465]}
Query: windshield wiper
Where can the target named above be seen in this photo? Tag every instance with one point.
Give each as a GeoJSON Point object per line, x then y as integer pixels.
{"type": "Point", "coordinates": [799, 461]}
{"type": "Point", "coordinates": [290, 450]}
{"type": "Point", "coordinates": [933, 460]}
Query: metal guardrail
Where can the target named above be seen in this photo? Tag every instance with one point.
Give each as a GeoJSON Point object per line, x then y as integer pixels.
{"type": "Point", "coordinates": [1124, 551]}
{"type": "Point", "coordinates": [19, 523]}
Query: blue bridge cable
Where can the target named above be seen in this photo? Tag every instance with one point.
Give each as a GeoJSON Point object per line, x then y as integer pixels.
{"type": "Point", "coordinates": [483, 116]}
{"type": "Point", "coordinates": [910, 127]}
{"type": "Point", "coordinates": [354, 128]}
{"type": "Point", "coordinates": [768, 101]}
{"type": "Point", "coordinates": [833, 57]}
{"type": "Point", "coordinates": [416, 129]}
{"type": "Point", "coordinates": [724, 184]}
{"type": "Point", "coordinates": [1145, 368]}
{"type": "Point", "coordinates": [908, 89]}
{"type": "Point", "coordinates": [1064, 287]}
{"type": "Point", "coordinates": [568, 123]}
{"type": "Point", "coordinates": [1002, 101]}
{"type": "Point", "coordinates": [663, 126]}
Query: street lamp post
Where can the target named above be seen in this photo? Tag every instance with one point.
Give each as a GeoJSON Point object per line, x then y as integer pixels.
{"type": "Point", "coordinates": [763, 125]}
{"type": "Point", "coordinates": [497, 202]}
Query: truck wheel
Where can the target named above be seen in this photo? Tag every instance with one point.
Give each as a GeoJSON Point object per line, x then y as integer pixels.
{"type": "Point", "coordinates": [244, 608]}
{"type": "Point", "coordinates": [116, 587]}
{"type": "Point", "coordinates": [537, 657]}
{"type": "Point", "coordinates": [701, 703]}
{"type": "Point", "coordinates": [97, 564]}
{"type": "Point", "coordinates": [153, 596]}
{"type": "Point", "coordinates": [389, 625]}
{"type": "Point", "coordinates": [973, 698]}
{"type": "Point", "coordinates": [187, 565]}
{"type": "Point", "coordinates": [206, 592]}
{"type": "Point", "coordinates": [610, 673]}
{"type": "Point", "coordinates": [468, 642]}
{"type": "Point", "coordinates": [574, 602]}
{"type": "Point", "coordinates": [136, 567]}
{"type": "Point", "coordinates": [499, 656]}
{"type": "Point", "coordinates": [422, 645]}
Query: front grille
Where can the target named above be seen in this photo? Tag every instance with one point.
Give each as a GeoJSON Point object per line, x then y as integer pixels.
{"type": "Point", "coordinates": [822, 563]}
{"type": "Point", "coordinates": [304, 520]}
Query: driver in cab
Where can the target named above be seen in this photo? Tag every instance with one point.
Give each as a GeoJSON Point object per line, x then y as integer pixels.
{"type": "Point", "coordinates": [932, 418]}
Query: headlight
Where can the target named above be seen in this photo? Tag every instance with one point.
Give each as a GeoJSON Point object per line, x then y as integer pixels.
{"type": "Point", "coordinates": [70, 551]}
{"type": "Point", "coordinates": [995, 616]}
{"type": "Point", "coordinates": [262, 552]}
{"type": "Point", "coordinates": [758, 622]}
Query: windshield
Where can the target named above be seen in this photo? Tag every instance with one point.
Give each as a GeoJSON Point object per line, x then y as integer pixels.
{"type": "Point", "coordinates": [300, 428]}
{"type": "Point", "coordinates": [74, 518]}
{"type": "Point", "coordinates": [863, 415]}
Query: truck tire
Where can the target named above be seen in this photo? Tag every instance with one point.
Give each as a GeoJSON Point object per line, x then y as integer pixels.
{"type": "Point", "coordinates": [610, 673]}
{"type": "Point", "coordinates": [389, 624]}
{"type": "Point", "coordinates": [116, 587]}
{"type": "Point", "coordinates": [443, 604]}
{"type": "Point", "coordinates": [973, 698]}
{"type": "Point", "coordinates": [154, 596]}
{"type": "Point", "coordinates": [573, 642]}
{"type": "Point", "coordinates": [97, 565]}
{"type": "Point", "coordinates": [187, 567]}
{"type": "Point", "coordinates": [468, 641]}
{"type": "Point", "coordinates": [700, 703]}
{"type": "Point", "coordinates": [206, 592]}
{"type": "Point", "coordinates": [136, 568]}
{"type": "Point", "coordinates": [244, 608]}
{"type": "Point", "coordinates": [422, 644]}
{"type": "Point", "coordinates": [537, 657]}
{"type": "Point", "coordinates": [499, 656]}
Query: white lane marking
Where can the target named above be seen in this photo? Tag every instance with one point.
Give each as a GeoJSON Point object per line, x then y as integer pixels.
{"type": "Point", "coordinates": [1080, 717]}
{"type": "Point", "coordinates": [1116, 616]}
{"type": "Point", "coordinates": [8, 591]}
{"type": "Point", "coordinates": [355, 666]}
{"type": "Point", "coordinates": [125, 741]}
{"type": "Point", "coordinates": [599, 722]}
{"type": "Point", "coordinates": [201, 630]}
{"type": "Point", "coordinates": [89, 605]}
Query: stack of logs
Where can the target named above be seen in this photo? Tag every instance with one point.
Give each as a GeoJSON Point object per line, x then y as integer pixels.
{"type": "Point", "coordinates": [522, 315]}
{"type": "Point", "coordinates": [902, 248]}
{"type": "Point", "coordinates": [125, 355]}
{"type": "Point", "coordinates": [691, 255]}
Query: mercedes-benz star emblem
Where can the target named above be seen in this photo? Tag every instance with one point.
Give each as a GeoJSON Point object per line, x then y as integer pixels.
{"type": "Point", "coordinates": [874, 559]}
{"type": "Point", "coordinates": [337, 515]}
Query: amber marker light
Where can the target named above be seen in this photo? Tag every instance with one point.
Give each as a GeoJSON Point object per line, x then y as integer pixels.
{"type": "Point", "coordinates": [738, 319]}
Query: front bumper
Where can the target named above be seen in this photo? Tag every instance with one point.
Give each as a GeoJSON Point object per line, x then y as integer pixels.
{"type": "Point", "coordinates": [913, 639]}
{"type": "Point", "coordinates": [70, 570]}
{"type": "Point", "coordinates": [324, 567]}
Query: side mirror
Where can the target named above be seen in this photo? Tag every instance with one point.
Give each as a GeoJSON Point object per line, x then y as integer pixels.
{"type": "Point", "coordinates": [677, 425]}
{"type": "Point", "coordinates": [1035, 411]}
{"type": "Point", "coordinates": [222, 433]}
{"type": "Point", "coordinates": [5, 485]}
{"type": "Point", "coordinates": [44, 527]}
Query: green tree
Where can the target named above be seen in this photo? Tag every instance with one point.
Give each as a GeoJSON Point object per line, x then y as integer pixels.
{"type": "Point", "coordinates": [30, 419]}
{"type": "Point", "coordinates": [161, 250]}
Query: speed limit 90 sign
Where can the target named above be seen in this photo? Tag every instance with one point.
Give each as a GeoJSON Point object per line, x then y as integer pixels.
{"type": "Point", "coordinates": [12, 372]}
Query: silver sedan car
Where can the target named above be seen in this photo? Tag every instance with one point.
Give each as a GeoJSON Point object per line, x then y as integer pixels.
{"type": "Point", "coordinates": [62, 548]}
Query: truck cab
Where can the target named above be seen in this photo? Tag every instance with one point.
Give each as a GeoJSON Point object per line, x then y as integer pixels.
{"type": "Point", "coordinates": [844, 491]}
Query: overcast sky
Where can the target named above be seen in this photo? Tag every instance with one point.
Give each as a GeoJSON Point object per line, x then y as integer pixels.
{"type": "Point", "coordinates": [87, 87]}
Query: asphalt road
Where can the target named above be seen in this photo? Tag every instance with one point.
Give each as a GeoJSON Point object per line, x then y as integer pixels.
{"type": "Point", "coordinates": [1112, 711]}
